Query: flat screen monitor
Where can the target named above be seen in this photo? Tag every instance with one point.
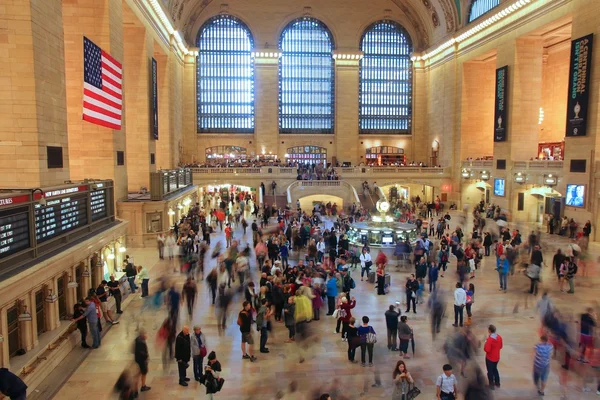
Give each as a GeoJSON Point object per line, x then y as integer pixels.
{"type": "Point", "coordinates": [387, 240]}
{"type": "Point", "coordinates": [499, 188]}
{"type": "Point", "coordinates": [575, 195]}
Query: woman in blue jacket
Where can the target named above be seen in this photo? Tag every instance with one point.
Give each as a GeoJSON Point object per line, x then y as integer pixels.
{"type": "Point", "coordinates": [332, 292]}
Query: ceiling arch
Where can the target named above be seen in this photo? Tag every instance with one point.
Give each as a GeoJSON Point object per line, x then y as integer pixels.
{"type": "Point", "coordinates": [432, 20]}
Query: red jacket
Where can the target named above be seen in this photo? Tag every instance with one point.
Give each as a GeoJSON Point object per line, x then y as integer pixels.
{"type": "Point", "coordinates": [492, 347]}
{"type": "Point", "coordinates": [348, 307]}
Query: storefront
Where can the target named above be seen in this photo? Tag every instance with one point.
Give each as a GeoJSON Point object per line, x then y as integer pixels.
{"type": "Point", "coordinates": [218, 154]}
{"type": "Point", "coordinates": [385, 155]}
{"type": "Point", "coordinates": [307, 155]}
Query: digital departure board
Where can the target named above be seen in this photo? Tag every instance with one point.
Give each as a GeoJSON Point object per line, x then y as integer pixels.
{"type": "Point", "coordinates": [14, 231]}
{"type": "Point", "coordinates": [98, 204]}
{"type": "Point", "coordinates": [60, 216]}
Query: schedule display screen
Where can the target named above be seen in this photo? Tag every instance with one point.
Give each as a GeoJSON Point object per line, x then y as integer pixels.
{"type": "Point", "coordinates": [14, 231]}
{"type": "Point", "coordinates": [98, 204]}
{"type": "Point", "coordinates": [60, 216]}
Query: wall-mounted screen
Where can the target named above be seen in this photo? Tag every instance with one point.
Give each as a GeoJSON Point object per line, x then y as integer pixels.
{"type": "Point", "coordinates": [499, 189]}
{"type": "Point", "coordinates": [576, 195]}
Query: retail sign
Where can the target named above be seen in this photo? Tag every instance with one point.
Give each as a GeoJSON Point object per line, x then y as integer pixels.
{"type": "Point", "coordinates": [154, 86]}
{"type": "Point", "coordinates": [579, 85]}
{"type": "Point", "coordinates": [500, 115]}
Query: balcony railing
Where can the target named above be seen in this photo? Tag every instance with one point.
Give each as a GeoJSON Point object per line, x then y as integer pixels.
{"type": "Point", "coordinates": [477, 164]}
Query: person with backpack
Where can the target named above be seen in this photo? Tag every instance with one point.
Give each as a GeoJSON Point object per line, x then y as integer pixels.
{"type": "Point", "coordinates": [446, 384]}
{"type": "Point", "coordinates": [368, 338]}
{"type": "Point", "coordinates": [443, 258]}
{"type": "Point", "coordinates": [571, 272]}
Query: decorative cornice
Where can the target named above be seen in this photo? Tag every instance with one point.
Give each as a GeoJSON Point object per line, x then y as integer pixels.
{"type": "Point", "coordinates": [434, 15]}
{"type": "Point", "coordinates": [417, 23]}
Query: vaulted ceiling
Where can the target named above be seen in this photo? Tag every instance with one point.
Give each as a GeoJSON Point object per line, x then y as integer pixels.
{"type": "Point", "coordinates": [430, 20]}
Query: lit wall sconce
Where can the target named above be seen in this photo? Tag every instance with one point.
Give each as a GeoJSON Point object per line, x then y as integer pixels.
{"type": "Point", "coordinates": [25, 316]}
{"type": "Point", "coordinates": [111, 256]}
{"type": "Point", "coordinates": [466, 173]}
{"type": "Point", "coordinates": [122, 249]}
{"type": "Point", "coordinates": [550, 180]}
{"type": "Point", "coordinates": [51, 298]}
{"type": "Point", "coordinates": [171, 212]}
{"type": "Point", "coordinates": [287, 155]}
{"type": "Point", "coordinates": [187, 201]}
{"type": "Point", "coordinates": [520, 178]}
{"type": "Point", "coordinates": [484, 175]}
{"type": "Point", "coordinates": [179, 206]}
{"type": "Point", "coordinates": [72, 284]}
{"type": "Point", "coordinates": [85, 273]}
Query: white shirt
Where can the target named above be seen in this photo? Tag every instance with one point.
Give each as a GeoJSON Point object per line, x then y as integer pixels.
{"type": "Point", "coordinates": [364, 258]}
{"type": "Point", "coordinates": [446, 383]}
{"type": "Point", "coordinates": [321, 247]}
{"type": "Point", "coordinates": [460, 297]}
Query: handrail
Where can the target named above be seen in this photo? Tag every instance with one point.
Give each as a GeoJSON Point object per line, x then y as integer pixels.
{"type": "Point", "coordinates": [381, 193]}
{"type": "Point", "coordinates": [323, 184]}
{"type": "Point", "coordinates": [342, 171]}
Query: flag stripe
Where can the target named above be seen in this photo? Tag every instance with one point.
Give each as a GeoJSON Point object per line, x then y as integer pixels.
{"type": "Point", "coordinates": [115, 89]}
{"type": "Point", "coordinates": [101, 122]}
{"type": "Point", "coordinates": [109, 67]}
{"type": "Point", "coordinates": [107, 74]}
{"type": "Point", "coordinates": [96, 105]}
{"type": "Point", "coordinates": [113, 99]}
{"type": "Point", "coordinates": [102, 117]}
{"type": "Point", "coordinates": [110, 58]}
{"type": "Point", "coordinates": [89, 95]}
{"type": "Point", "coordinates": [111, 92]}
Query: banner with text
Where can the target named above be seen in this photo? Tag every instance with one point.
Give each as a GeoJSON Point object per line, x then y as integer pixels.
{"type": "Point", "coordinates": [500, 115]}
{"type": "Point", "coordinates": [154, 100]}
{"type": "Point", "coordinates": [579, 85]}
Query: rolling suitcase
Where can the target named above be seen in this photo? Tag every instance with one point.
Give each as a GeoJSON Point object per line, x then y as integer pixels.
{"type": "Point", "coordinates": [388, 280]}
{"type": "Point", "coordinates": [372, 276]}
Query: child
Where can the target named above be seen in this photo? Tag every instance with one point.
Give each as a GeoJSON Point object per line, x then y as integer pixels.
{"type": "Point", "coordinates": [420, 291]}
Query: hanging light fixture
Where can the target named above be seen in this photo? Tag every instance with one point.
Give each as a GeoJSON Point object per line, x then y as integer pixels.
{"type": "Point", "coordinates": [111, 256]}
{"type": "Point", "coordinates": [466, 173]}
{"type": "Point", "coordinates": [85, 273]}
{"type": "Point", "coordinates": [72, 284]}
{"type": "Point", "coordinates": [520, 177]}
{"type": "Point", "coordinates": [51, 298]}
{"type": "Point", "coordinates": [484, 175]}
{"type": "Point", "coordinates": [25, 316]}
{"type": "Point", "coordinates": [171, 212]}
{"type": "Point", "coordinates": [550, 180]}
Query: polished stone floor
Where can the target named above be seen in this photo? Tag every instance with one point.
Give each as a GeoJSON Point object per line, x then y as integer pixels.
{"type": "Point", "coordinates": [326, 367]}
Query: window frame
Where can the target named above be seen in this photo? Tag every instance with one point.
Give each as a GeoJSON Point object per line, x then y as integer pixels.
{"type": "Point", "coordinates": [304, 130]}
{"type": "Point", "coordinates": [409, 105]}
{"type": "Point", "coordinates": [205, 130]}
{"type": "Point", "coordinates": [473, 2]}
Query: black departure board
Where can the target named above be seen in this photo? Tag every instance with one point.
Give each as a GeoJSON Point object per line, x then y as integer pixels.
{"type": "Point", "coordinates": [98, 204]}
{"type": "Point", "coordinates": [14, 231]}
{"type": "Point", "coordinates": [60, 216]}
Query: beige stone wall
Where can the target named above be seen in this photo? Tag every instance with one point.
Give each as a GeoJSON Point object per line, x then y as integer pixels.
{"type": "Point", "coordinates": [555, 85]}
{"type": "Point", "coordinates": [477, 109]}
{"type": "Point", "coordinates": [32, 98]}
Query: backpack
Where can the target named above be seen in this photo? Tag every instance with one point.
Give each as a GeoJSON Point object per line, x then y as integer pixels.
{"type": "Point", "coordinates": [444, 257]}
{"type": "Point", "coordinates": [352, 284]}
{"type": "Point", "coordinates": [371, 337]}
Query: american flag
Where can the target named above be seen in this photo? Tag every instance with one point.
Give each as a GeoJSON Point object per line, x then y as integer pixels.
{"type": "Point", "coordinates": [102, 87]}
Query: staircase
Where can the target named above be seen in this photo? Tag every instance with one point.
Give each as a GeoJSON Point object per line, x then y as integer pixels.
{"type": "Point", "coordinates": [368, 202]}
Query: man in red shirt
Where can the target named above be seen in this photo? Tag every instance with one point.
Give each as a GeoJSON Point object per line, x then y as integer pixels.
{"type": "Point", "coordinates": [228, 234]}
{"type": "Point", "coordinates": [492, 347]}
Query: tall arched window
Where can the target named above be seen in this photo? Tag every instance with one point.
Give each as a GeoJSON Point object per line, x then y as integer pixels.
{"type": "Point", "coordinates": [480, 7]}
{"type": "Point", "coordinates": [385, 86]}
{"type": "Point", "coordinates": [225, 76]}
{"type": "Point", "coordinates": [306, 78]}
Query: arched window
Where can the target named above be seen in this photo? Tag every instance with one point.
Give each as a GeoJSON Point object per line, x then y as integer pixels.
{"type": "Point", "coordinates": [480, 7]}
{"type": "Point", "coordinates": [306, 78]}
{"type": "Point", "coordinates": [225, 78]}
{"type": "Point", "coordinates": [385, 86]}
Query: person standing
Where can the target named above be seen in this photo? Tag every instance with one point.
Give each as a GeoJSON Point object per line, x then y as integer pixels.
{"type": "Point", "coordinates": [228, 234]}
{"type": "Point", "coordinates": [141, 357]}
{"type": "Point", "coordinates": [446, 384]}
{"type": "Point", "coordinates": [365, 263]}
{"type": "Point", "coordinates": [391, 322]}
{"type": "Point", "coordinates": [402, 381]}
{"type": "Point", "coordinates": [12, 386]}
{"type": "Point", "coordinates": [131, 274]}
{"type": "Point", "coordinates": [433, 274]}
{"type": "Point", "coordinates": [352, 335]}
{"type": "Point", "coordinates": [160, 241]}
{"type": "Point", "coordinates": [571, 272]}
{"type": "Point", "coordinates": [367, 341]}
{"type": "Point", "coordinates": [198, 343]}
{"type": "Point", "coordinates": [289, 310]}
{"type": "Point", "coordinates": [502, 266]}
{"type": "Point", "coordinates": [115, 291]}
{"type": "Point", "coordinates": [91, 315]}
{"type": "Point", "coordinates": [412, 286]}
{"type": "Point", "coordinates": [81, 324]}
{"type": "Point", "coordinates": [144, 276]}
{"type": "Point", "coordinates": [244, 321]}
{"type": "Point", "coordinates": [183, 352]}
{"type": "Point", "coordinates": [487, 243]}
{"type": "Point", "coordinates": [460, 300]}
{"type": "Point", "coordinates": [103, 297]}
{"type": "Point", "coordinates": [492, 347]}
{"type": "Point", "coordinates": [404, 333]}
{"type": "Point", "coordinates": [262, 321]}
{"type": "Point", "coordinates": [212, 374]}
{"type": "Point", "coordinates": [541, 363]}
{"type": "Point", "coordinates": [332, 292]}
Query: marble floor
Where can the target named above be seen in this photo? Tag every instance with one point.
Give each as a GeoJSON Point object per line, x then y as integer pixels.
{"type": "Point", "coordinates": [326, 367]}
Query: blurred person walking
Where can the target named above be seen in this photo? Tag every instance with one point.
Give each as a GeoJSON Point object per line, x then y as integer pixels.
{"type": "Point", "coordinates": [141, 357]}
{"type": "Point", "coordinates": [541, 363]}
{"type": "Point", "coordinates": [189, 293]}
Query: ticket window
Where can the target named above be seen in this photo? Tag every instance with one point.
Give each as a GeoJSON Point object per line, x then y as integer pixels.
{"type": "Point", "coordinates": [40, 314]}
{"type": "Point", "coordinates": [14, 335]}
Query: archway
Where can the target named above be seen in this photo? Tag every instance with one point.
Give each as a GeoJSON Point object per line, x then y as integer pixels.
{"type": "Point", "coordinates": [308, 203]}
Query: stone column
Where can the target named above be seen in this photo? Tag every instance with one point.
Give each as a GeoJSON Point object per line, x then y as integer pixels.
{"type": "Point", "coordinates": [86, 281]}
{"type": "Point", "coordinates": [51, 309]}
{"type": "Point", "coordinates": [346, 109]}
{"type": "Point", "coordinates": [189, 122]}
{"type": "Point", "coordinates": [33, 325]}
{"type": "Point", "coordinates": [26, 327]}
{"type": "Point", "coordinates": [70, 293]}
{"type": "Point", "coordinates": [139, 49]}
{"type": "Point", "coordinates": [421, 138]}
{"type": "Point", "coordinates": [164, 144]}
{"type": "Point", "coordinates": [34, 111]}
{"type": "Point", "coordinates": [266, 105]}
{"type": "Point", "coordinates": [4, 351]}
{"type": "Point", "coordinates": [92, 148]}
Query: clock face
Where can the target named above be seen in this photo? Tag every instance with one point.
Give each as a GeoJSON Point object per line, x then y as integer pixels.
{"type": "Point", "coordinates": [383, 206]}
